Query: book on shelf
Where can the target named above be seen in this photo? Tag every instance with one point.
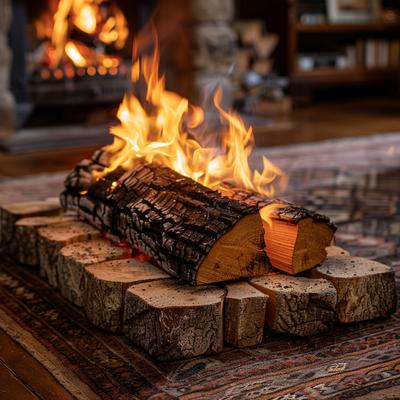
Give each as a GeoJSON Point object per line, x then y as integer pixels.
{"type": "Point", "coordinates": [370, 53]}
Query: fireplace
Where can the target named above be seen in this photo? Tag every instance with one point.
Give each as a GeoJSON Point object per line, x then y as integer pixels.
{"type": "Point", "coordinates": [70, 68]}
{"type": "Point", "coordinates": [64, 84]}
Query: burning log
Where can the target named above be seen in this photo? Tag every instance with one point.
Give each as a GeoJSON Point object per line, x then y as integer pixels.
{"type": "Point", "coordinates": [195, 233]}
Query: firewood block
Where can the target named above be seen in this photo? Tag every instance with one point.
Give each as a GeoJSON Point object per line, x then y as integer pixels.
{"type": "Point", "coordinates": [366, 289]}
{"type": "Point", "coordinates": [172, 321]}
{"type": "Point", "coordinates": [106, 284]}
{"type": "Point", "coordinates": [244, 314]}
{"type": "Point", "coordinates": [298, 306]}
{"type": "Point", "coordinates": [75, 257]}
{"type": "Point", "coordinates": [295, 238]}
{"type": "Point", "coordinates": [52, 238]}
{"type": "Point", "coordinates": [27, 239]}
{"type": "Point", "coordinates": [334, 251]}
{"type": "Point", "coordinates": [11, 213]}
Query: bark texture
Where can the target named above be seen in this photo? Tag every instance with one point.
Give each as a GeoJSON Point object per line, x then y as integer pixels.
{"type": "Point", "coordinates": [75, 257]}
{"type": "Point", "coordinates": [176, 221]}
{"type": "Point", "coordinates": [52, 238]}
{"type": "Point", "coordinates": [27, 237]}
{"type": "Point", "coordinates": [106, 284]}
{"type": "Point", "coordinates": [171, 321]}
{"type": "Point", "coordinates": [366, 289]}
{"type": "Point", "coordinates": [11, 213]}
{"type": "Point", "coordinates": [298, 306]}
{"type": "Point", "coordinates": [244, 314]}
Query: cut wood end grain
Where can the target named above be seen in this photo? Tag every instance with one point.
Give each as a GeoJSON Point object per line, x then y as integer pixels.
{"type": "Point", "coordinates": [366, 289]}
{"type": "Point", "coordinates": [94, 251]}
{"type": "Point", "coordinates": [297, 246]}
{"type": "Point", "coordinates": [106, 284]}
{"type": "Point", "coordinates": [238, 254]}
{"type": "Point", "coordinates": [334, 251]}
{"type": "Point", "coordinates": [73, 259]}
{"type": "Point", "coordinates": [65, 232]}
{"type": "Point", "coordinates": [27, 236]}
{"type": "Point", "coordinates": [126, 271]}
{"type": "Point", "coordinates": [32, 208]}
{"type": "Point", "coordinates": [53, 237]}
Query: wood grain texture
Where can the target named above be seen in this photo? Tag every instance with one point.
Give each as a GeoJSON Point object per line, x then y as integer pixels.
{"type": "Point", "coordinates": [298, 306]}
{"type": "Point", "coordinates": [193, 232]}
{"type": "Point", "coordinates": [334, 251]}
{"type": "Point", "coordinates": [244, 314]}
{"type": "Point", "coordinates": [12, 212]}
{"type": "Point", "coordinates": [366, 289]}
{"type": "Point", "coordinates": [53, 238]}
{"type": "Point", "coordinates": [171, 321]}
{"type": "Point", "coordinates": [27, 238]}
{"type": "Point", "coordinates": [21, 363]}
{"type": "Point", "coordinates": [75, 257]}
{"type": "Point", "coordinates": [106, 284]}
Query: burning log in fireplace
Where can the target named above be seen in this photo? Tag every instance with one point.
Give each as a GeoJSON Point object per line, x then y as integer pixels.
{"type": "Point", "coordinates": [195, 233]}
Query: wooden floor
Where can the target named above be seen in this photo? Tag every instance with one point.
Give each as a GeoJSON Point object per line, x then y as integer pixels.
{"type": "Point", "coordinates": [336, 119]}
{"type": "Point", "coordinates": [308, 124]}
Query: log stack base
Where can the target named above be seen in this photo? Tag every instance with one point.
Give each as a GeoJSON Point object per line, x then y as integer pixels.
{"type": "Point", "coordinates": [366, 289]}
{"type": "Point", "coordinates": [172, 321]}
{"type": "Point", "coordinates": [298, 306]}
{"type": "Point", "coordinates": [75, 257]}
{"type": "Point", "coordinates": [27, 237]}
{"type": "Point", "coordinates": [244, 315]}
{"type": "Point", "coordinates": [11, 213]}
{"type": "Point", "coordinates": [106, 284]}
{"type": "Point", "coordinates": [52, 238]}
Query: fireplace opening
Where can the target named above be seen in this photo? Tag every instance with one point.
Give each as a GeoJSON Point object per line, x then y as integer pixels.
{"type": "Point", "coordinates": [70, 67]}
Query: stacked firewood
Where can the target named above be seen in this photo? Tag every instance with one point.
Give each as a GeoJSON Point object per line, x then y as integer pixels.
{"type": "Point", "coordinates": [183, 269]}
{"type": "Point", "coordinates": [259, 90]}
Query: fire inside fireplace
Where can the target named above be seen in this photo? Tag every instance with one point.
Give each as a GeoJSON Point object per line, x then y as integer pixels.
{"type": "Point", "coordinates": [70, 67]}
{"type": "Point", "coordinates": [80, 38]}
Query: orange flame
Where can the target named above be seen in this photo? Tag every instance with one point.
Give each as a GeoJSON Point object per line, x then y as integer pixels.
{"type": "Point", "coordinates": [267, 212]}
{"type": "Point", "coordinates": [75, 55]}
{"type": "Point", "coordinates": [161, 135]}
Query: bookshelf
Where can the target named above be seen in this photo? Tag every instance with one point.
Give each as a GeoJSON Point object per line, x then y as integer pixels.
{"type": "Point", "coordinates": [365, 50]}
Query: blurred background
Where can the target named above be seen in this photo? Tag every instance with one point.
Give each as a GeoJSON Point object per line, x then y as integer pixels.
{"type": "Point", "coordinates": [298, 71]}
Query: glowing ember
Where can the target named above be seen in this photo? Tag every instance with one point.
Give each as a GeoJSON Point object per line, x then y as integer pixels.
{"type": "Point", "coordinates": [74, 55]}
{"type": "Point", "coordinates": [158, 130]}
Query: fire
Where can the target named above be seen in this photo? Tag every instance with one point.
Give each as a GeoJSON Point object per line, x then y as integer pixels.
{"type": "Point", "coordinates": [74, 54]}
{"type": "Point", "coordinates": [100, 21]}
{"type": "Point", "coordinates": [267, 212]}
{"type": "Point", "coordinates": [159, 129]}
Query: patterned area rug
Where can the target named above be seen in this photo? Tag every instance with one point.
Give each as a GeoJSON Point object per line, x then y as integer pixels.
{"type": "Point", "coordinates": [351, 361]}
{"type": "Point", "coordinates": [347, 362]}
